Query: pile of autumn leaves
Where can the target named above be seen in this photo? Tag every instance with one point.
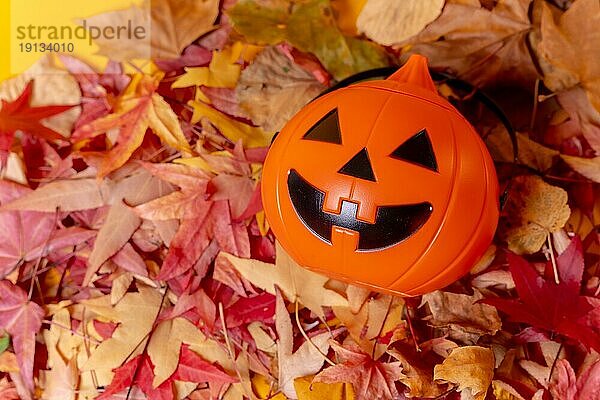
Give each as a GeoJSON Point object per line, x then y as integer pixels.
{"type": "Point", "coordinates": [134, 253]}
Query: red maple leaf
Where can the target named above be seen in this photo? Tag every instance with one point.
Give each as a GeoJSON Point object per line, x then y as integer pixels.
{"type": "Point", "coordinates": [196, 307]}
{"type": "Point", "coordinates": [249, 309]}
{"type": "Point", "coordinates": [547, 305]}
{"type": "Point", "coordinates": [19, 116]}
{"type": "Point", "coordinates": [191, 368]}
{"type": "Point", "coordinates": [203, 218]}
{"type": "Point", "coordinates": [370, 378]}
{"type": "Point", "coordinates": [22, 319]}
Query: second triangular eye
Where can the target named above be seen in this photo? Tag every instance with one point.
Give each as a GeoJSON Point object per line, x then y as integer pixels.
{"type": "Point", "coordinates": [417, 150]}
{"type": "Point", "coordinates": [327, 129]}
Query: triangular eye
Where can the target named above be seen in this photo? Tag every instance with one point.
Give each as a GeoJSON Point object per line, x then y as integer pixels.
{"type": "Point", "coordinates": [326, 130]}
{"type": "Point", "coordinates": [359, 166]}
{"type": "Point", "coordinates": [417, 150]}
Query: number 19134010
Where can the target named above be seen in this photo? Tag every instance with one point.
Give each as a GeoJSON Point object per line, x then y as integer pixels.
{"type": "Point", "coordinates": [48, 47]}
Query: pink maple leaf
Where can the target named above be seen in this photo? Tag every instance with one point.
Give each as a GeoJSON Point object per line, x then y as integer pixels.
{"type": "Point", "coordinates": [22, 319]}
{"type": "Point", "coordinates": [566, 386]}
{"type": "Point", "coordinates": [370, 378]}
{"type": "Point", "coordinates": [28, 235]}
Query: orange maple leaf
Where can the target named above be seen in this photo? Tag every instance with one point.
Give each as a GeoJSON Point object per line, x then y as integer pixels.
{"type": "Point", "coordinates": [140, 108]}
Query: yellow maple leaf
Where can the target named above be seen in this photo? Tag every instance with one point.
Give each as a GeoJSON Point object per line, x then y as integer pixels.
{"type": "Point", "coordinates": [223, 70]}
{"type": "Point", "coordinates": [135, 314]}
{"type": "Point", "coordinates": [165, 346]}
{"type": "Point", "coordinates": [471, 368]}
{"type": "Point", "coordinates": [264, 389]}
{"type": "Point", "coordinates": [220, 73]}
{"type": "Point", "coordinates": [230, 128]}
{"type": "Point", "coordinates": [306, 389]}
{"type": "Point", "coordinates": [67, 351]}
{"type": "Point", "coordinates": [296, 283]}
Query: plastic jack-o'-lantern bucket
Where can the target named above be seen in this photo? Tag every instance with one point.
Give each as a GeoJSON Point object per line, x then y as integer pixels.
{"type": "Point", "coordinates": [383, 184]}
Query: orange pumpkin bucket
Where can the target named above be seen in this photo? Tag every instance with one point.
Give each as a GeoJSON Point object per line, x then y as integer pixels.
{"type": "Point", "coordinates": [383, 184]}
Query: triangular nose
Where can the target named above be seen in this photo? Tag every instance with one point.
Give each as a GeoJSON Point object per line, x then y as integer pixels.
{"type": "Point", "coordinates": [359, 166]}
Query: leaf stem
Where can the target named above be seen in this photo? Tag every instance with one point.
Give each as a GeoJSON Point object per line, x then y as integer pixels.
{"type": "Point", "coordinates": [554, 362]}
{"type": "Point", "coordinates": [536, 92]}
{"type": "Point", "coordinates": [44, 249]}
{"type": "Point", "coordinates": [229, 348]}
{"type": "Point", "coordinates": [306, 336]}
{"type": "Point", "coordinates": [553, 259]}
{"type": "Point", "coordinates": [147, 338]}
{"type": "Point", "coordinates": [410, 327]}
{"type": "Point", "coordinates": [86, 343]}
{"type": "Point", "coordinates": [91, 339]}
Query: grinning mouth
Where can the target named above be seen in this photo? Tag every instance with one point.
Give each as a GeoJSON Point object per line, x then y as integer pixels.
{"type": "Point", "coordinates": [393, 224]}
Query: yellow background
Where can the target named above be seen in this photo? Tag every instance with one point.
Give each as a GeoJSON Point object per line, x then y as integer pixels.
{"type": "Point", "coordinates": [58, 13]}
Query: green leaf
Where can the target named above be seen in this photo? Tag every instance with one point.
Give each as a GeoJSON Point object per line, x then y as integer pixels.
{"type": "Point", "coordinates": [261, 22]}
{"type": "Point", "coordinates": [309, 26]}
{"type": "Point", "coordinates": [367, 54]}
{"type": "Point", "coordinates": [4, 342]}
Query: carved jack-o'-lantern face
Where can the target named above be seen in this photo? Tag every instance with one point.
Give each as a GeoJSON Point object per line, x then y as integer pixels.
{"type": "Point", "coordinates": [382, 184]}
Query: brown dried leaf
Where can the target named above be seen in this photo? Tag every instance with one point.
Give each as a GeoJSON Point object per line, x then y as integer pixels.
{"type": "Point", "coordinates": [171, 24]}
{"type": "Point", "coordinates": [418, 378]}
{"type": "Point", "coordinates": [534, 210]}
{"type": "Point", "coordinates": [531, 153]}
{"type": "Point", "coordinates": [480, 45]}
{"type": "Point", "coordinates": [464, 319]}
{"type": "Point", "coordinates": [392, 22]}
{"type": "Point", "coordinates": [571, 47]}
{"type": "Point", "coordinates": [273, 88]}
{"type": "Point", "coordinates": [471, 368]}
